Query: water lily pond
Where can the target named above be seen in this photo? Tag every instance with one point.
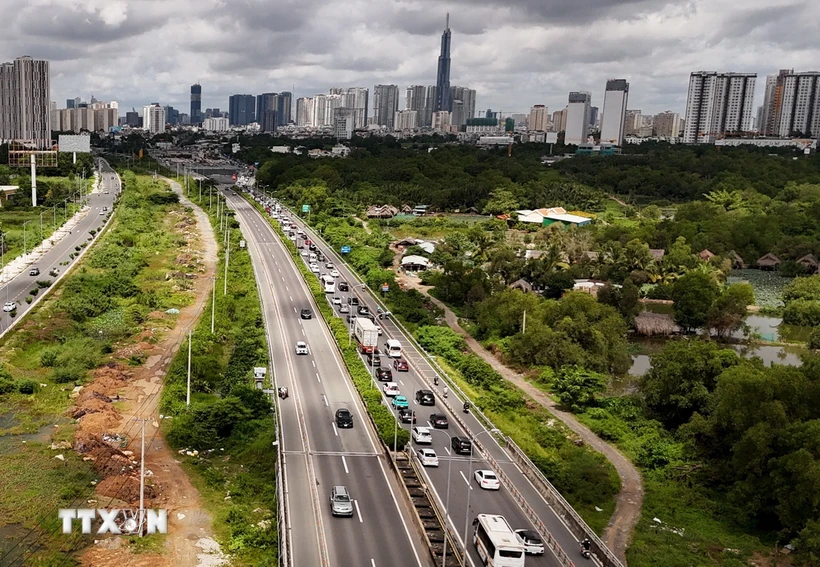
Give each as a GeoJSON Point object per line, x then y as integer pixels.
{"type": "Point", "coordinates": [768, 286]}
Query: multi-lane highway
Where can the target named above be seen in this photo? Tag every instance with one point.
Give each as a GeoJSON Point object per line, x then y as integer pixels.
{"type": "Point", "coordinates": [17, 288]}
{"type": "Point", "coordinates": [317, 454]}
{"type": "Point", "coordinates": [466, 498]}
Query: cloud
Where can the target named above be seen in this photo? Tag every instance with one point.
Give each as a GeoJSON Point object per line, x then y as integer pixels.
{"type": "Point", "coordinates": [516, 53]}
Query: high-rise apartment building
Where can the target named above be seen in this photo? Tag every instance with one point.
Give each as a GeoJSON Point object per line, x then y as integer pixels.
{"type": "Point", "coordinates": [304, 111]}
{"type": "Point", "coordinates": [612, 122]}
{"type": "Point", "coordinates": [538, 119]}
{"type": "Point", "coordinates": [421, 99]}
{"type": "Point", "coordinates": [196, 104]}
{"type": "Point", "coordinates": [215, 124]}
{"type": "Point", "coordinates": [667, 124]}
{"type": "Point", "coordinates": [466, 109]}
{"type": "Point", "coordinates": [443, 74]}
{"type": "Point", "coordinates": [632, 122]}
{"type": "Point", "coordinates": [284, 105]}
{"type": "Point", "coordinates": [25, 101]}
{"type": "Point", "coordinates": [241, 109]}
{"type": "Point", "coordinates": [441, 121]}
{"type": "Point", "coordinates": [405, 120]}
{"type": "Point", "coordinates": [718, 103]}
{"type": "Point", "coordinates": [153, 118]}
{"type": "Point", "coordinates": [791, 104]}
{"type": "Point", "coordinates": [577, 117]}
{"type": "Point", "coordinates": [344, 122]}
{"type": "Point", "coordinates": [559, 120]}
{"type": "Point", "coordinates": [385, 104]}
{"type": "Point", "coordinates": [266, 112]}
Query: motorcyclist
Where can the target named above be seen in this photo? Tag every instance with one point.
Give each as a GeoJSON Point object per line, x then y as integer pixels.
{"type": "Point", "coordinates": [445, 391]}
{"type": "Point", "coordinates": [466, 407]}
{"type": "Point", "coordinates": [585, 545]}
{"type": "Point", "coordinates": [435, 380]}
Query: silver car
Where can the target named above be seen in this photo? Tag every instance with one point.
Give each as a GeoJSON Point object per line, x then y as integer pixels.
{"type": "Point", "coordinates": [340, 502]}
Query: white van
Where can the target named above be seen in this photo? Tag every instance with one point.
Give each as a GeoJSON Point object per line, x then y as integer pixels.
{"type": "Point", "coordinates": [393, 348]}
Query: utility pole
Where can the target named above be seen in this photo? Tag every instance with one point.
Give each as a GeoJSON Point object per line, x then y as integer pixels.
{"type": "Point", "coordinates": [213, 307]}
{"type": "Point", "coordinates": [227, 259]}
{"type": "Point", "coordinates": [24, 238]}
{"type": "Point", "coordinates": [188, 393]}
{"type": "Point", "coordinates": [524, 324]}
{"type": "Point", "coordinates": [142, 475]}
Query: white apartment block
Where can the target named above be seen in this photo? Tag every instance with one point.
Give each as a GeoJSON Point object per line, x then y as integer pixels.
{"type": "Point", "coordinates": [796, 107]}
{"type": "Point", "coordinates": [215, 124]}
{"type": "Point", "coordinates": [538, 120]}
{"type": "Point", "coordinates": [441, 121]}
{"type": "Point", "coordinates": [153, 118]}
{"type": "Point", "coordinates": [576, 121]}
{"type": "Point", "coordinates": [615, 100]}
{"type": "Point", "coordinates": [718, 103]}
{"type": "Point", "coordinates": [405, 120]}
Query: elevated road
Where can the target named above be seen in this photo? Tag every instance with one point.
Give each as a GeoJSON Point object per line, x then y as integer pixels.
{"type": "Point", "coordinates": [317, 455]}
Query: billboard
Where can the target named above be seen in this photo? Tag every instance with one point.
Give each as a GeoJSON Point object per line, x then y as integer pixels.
{"type": "Point", "coordinates": [552, 137]}
{"type": "Point", "coordinates": [77, 144]}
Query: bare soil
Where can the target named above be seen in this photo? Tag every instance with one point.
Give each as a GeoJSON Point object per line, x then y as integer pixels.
{"type": "Point", "coordinates": [135, 393]}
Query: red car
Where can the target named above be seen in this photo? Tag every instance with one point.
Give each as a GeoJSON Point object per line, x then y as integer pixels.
{"type": "Point", "coordinates": [400, 365]}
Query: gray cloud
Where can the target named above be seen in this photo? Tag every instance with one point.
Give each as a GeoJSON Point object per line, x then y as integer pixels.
{"type": "Point", "coordinates": [516, 53]}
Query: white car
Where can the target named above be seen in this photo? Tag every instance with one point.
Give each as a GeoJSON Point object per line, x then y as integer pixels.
{"type": "Point", "coordinates": [314, 268]}
{"type": "Point", "coordinates": [422, 435]}
{"type": "Point", "coordinates": [337, 301]}
{"type": "Point", "coordinates": [301, 347]}
{"type": "Point", "coordinates": [344, 308]}
{"type": "Point", "coordinates": [300, 232]}
{"type": "Point", "coordinates": [533, 545]}
{"type": "Point", "coordinates": [391, 389]}
{"type": "Point", "coordinates": [379, 330]}
{"type": "Point", "coordinates": [427, 457]}
{"type": "Point", "coordinates": [329, 266]}
{"type": "Point", "coordinates": [9, 306]}
{"type": "Point", "coordinates": [334, 273]}
{"type": "Point", "coordinates": [304, 253]}
{"type": "Point", "coordinates": [487, 480]}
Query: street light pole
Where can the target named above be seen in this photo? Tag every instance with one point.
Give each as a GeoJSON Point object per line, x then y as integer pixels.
{"type": "Point", "coordinates": [227, 259]}
{"type": "Point", "coordinates": [213, 307]}
{"type": "Point", "coordinates": [470, 491]}
{"type": "Point", "coordinates": [24, 238]}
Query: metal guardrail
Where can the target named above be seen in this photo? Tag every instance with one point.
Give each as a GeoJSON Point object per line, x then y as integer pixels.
{"type": "Point", "coordinates": [576, 524]}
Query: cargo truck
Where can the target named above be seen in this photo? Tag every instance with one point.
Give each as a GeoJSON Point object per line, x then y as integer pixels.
{"type": "Point", "coordinates": [366, 333]}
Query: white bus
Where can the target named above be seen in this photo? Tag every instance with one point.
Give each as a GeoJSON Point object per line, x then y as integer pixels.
{"type": "Point", "coordinates": [329, 282]}
{"type": "Point", "coordinates": [393, 348]}
{"type": "Point", "coordinates": [496, 542]}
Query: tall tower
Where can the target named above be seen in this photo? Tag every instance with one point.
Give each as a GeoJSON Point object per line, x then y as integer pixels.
{"type": "Point", "coordinates": [615, 101]}
{"type": "Point", "coordinates": [196, 104]}
{"type": "Point", "coordinates": [443, 75]}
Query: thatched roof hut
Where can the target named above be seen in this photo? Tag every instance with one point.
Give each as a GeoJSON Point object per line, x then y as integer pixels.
{"type": "Point", "coordinates": [737, 261]}
{"type": "Point", "coordinates": [809, 262]}
{"type": "Point", "coordinates": [706, 255]}
{"type": "Point", "coordinates": [650, 324]}
{"type": "Point", "coordinates": [768, 262]}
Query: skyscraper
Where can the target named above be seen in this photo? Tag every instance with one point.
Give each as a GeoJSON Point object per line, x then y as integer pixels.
{"type": "Point", "coordinates": [791, 104]}
{"type": "Point", "coordinates": [304, 111]}
{"type": "Point", "coordinates": [467, 110]}
{"type": "Point", "coordinates": [577, 118]}
{"type": "Point", "coordinates": [385, 104]}
{"type": "Point", "coordinates": [284, 101]}
{"type": "Point", "coordinates": [443, 74]}
{"type": "Point", "coordinates": [196, 104]}
{"type": "Point", "coordinates": [615, 99]}
{"type": "Point", "coordinates": [266, 111]}
{"type": "Point", "coordinates": [537, 121]}
{"type": "Point", "coordinates": [241, 111]}
{"type": "Point", "coordinates": [667, 124]}
{"type": "Point", "coordinates": [153, 118]}
{"type": "Point", "coordinates": [344, 122]}
{"type": "Point", "coordinates": [718, 103]}
{"type": "Point", "coordinates": [25, 101]}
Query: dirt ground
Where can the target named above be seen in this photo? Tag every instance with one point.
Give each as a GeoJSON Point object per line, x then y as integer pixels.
{"type": "Point", "coordinates": [118, 395]}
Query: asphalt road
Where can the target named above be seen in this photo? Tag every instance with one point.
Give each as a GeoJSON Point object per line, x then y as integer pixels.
{"type": "Point", "coordinates": [317, 454]}
{"type": "Point", "coordinates": [18, 287]}
{"type": "Point", "coordinates": [462, 487]}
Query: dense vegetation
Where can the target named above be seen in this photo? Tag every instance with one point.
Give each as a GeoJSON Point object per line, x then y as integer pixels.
{"type": "Point", "coordinates": [229, 421]}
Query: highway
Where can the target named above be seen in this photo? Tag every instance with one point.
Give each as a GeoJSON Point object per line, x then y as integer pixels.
{"type": "Point", "coordinates": [466, 498]}
{"type": "Point", "coordinates": [318, 455]}
{"type": "Point", "coordinates": [18, 287]}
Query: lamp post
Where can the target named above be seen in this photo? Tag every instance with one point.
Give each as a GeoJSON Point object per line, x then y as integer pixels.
{"type": "Point", "coordinates": [446, 498]}
{"type": "Point", "coordinates": [24, 238]}
{"type": "Point", "coordinates": [470, 491]}
{"type": "Point", "coordinates": [213, 306]}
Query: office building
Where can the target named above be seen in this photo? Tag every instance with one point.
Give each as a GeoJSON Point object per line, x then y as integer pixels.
{"type": "Point", "coordinates": [385, 104]}
{"type": "Point", "coordinates": [344, 122]}
{"type": "Point", "coordinates": [153, 118]}
{"type": "Point", "coordinates": [612, 122]}
{"type": "Point", "coordinates": [791, 105]}
{"type": "Point", "coordinates": [577, 118]}
{"type": "Point", "coordinates": [537, 121]}
{"type": "Point", "coordinates": [133, 119]}
{"type": "Point", "coordinates": [667, 124]}
{"type": "Point", "coordinates": [443, 74]}
{"type": "Point", "coordinates": [266, 112]}
{"type": "Point", "coordinates": [25, 101]}
{"type": "Point", "coordinates": [73, 102]}
{"type": "Point", "coordinates": [196, 104]}
{"type": "Point", "coordinates": [405, 120]}
{"type": "Point", "coordinates": [171, 115]}
{"type": "Point", "coordinates": [215, 124]}
{"type": "Point", "coordinates": [241, 109]}
{"type": "Point", "coordinates": [717, 104]}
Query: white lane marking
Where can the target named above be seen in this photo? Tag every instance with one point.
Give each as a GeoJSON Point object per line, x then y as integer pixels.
{"type": "Point", "coordinates": [291, 300]}
{"type": "Point", "coordinates": [448, 450]}
{"type": "Point", "coordinates": [372, 562]}
{"type": "Point", "coordinates": [335, 431]}
{"type": "Point", "coordinates": [317, 377]}
{"type": "Point", "coordinates": [287, 288]}
{"type": "Point", "coordinates": [359, 512]}
{"type": "Point", "coordinates": [400, 382]}
{"type": "Point", "coordinates": [401, 515]}
{"type": "Point", "coordinates": [324, 399]}
{"type": "Point", "coordinates": [465, 479]}
{"type": "Point", "coordinates": [344, 462]}
{"type": "Point", "coordinates": [303, 332]}
{"type": "Point", "coordinates": [313, 362]}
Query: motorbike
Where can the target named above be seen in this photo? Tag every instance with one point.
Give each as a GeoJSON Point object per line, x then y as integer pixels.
{"type": "Point", "coordinates": [585, 552]}
{"type": "Point", "coordinates": [435, 380]}
{"type": "Point", "coordinates": [466, 407]}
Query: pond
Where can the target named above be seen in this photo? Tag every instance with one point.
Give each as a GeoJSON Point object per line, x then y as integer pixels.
{"type": "Point", "coordinates": [789, 356]}
{"type": "Point", "coordinates": [768, 286]}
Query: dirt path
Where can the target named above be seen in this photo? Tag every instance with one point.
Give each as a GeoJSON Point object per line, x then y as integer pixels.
{"type": "Point", "coordinates": [364, 225]}
{"type": "Point", "coordinates": [629, 500]}
{"type": "Point", "coordinates": [188, 543]}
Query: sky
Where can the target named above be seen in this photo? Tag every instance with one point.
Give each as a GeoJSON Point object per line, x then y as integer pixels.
{"type": "Point", "coordinates": [515, 53]}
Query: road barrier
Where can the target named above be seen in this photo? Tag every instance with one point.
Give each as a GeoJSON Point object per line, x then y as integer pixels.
{"type": "Point", "coordinates": [576, 524]}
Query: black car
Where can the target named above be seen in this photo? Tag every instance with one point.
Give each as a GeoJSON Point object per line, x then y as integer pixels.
{"type": "Point", "coordinates": [384, 374]}
{"type": "Point", "coordinates": [350, 319]}
{"type": "Point", "coordinates": [352, 300]}
{"type": "Point", "coordinates": [374, 358]}
{"type": "Point", "coordinates": [343, 286]}
{"type": "Point", "coordinates": [344, 418]}
{"type": "Point", "coordinates": [461, 445]}
{"type": "Point", "coordinates": [306, 314]}
{"type": "Point", "coordinates": [312, 247]}
{"type": "Point", "coordinates": [425, 398]}
{"type": "Point", "coordinates": [439, 421]}
{"type": "Point", "coordinates": [363, 310]}
{"type": "Point", "coordinates": [406, 415]}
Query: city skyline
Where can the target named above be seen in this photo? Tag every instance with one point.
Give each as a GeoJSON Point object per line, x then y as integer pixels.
{"type": "Point", "coordinates": [515, 54]}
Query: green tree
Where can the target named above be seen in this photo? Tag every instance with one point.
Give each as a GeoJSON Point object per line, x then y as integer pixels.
{"type": "Point", "coordinates": [577, 387]}
{"type": "Point", "coordinates": [693, 294]}
{"type": "Point", "coordinates": [814, 339]}
{"type": "Point", "coordinates": [727, 313]}
{"type": "Point", "coordinates": [501, 201]}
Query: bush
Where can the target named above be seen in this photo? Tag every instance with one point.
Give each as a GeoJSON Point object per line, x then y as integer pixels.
{"type": "Point", "coordinates": [48, 358]}
{"type": "Point", "coordinates": [34, 291]}
{"type": "Point", "coordinates": [43, 283]}
{"type": "Point", "coordinates": [29, 299]}
{"type": "Point", "coordinates": [7, 385]}
{"type": "Point", "coordinates": [68, 374]}
{"type": "Point", "coordinates": [27, 387]}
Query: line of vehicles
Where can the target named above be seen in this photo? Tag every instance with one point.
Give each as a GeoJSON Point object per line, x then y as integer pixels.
{"type": "Point", "coordinates": [495, 541]}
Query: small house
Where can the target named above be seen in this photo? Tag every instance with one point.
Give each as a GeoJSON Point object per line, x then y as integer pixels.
{"type": "Point", "coordinates": [705, 255]}
{"type": "Point", "coordinates": [381, 212]}
{"type": "Point", "coordinates": [737, 261]}
{"type": "Point", "coordinates": [592, 287]}
{"type": "Point", "coordinates": [768, 262]}
{"type": "Point", "coordinates": [521, 285]}
{"type": "Point", "coordinates": [809, 263]}
{"type": "Point", "coordinates": [414, 263]}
